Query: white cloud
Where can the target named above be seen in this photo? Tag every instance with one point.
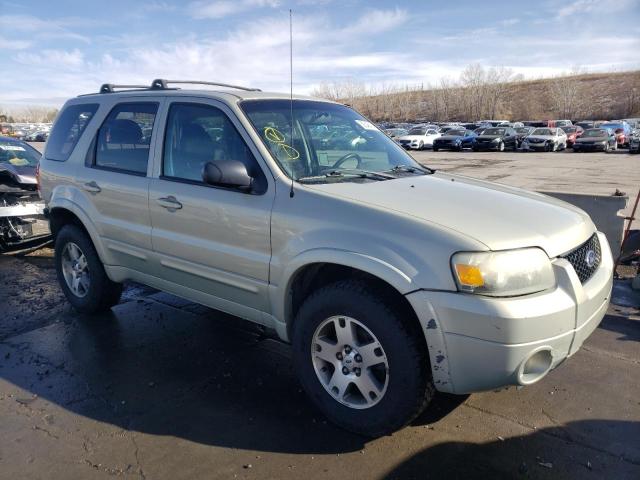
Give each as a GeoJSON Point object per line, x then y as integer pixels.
{"type": "Point", "coordinates": [203, 9]}
{"type": "Point", "coordinates": [60, 58]}
{"type": "Point", "coordinates": [581, 7]}
{"type": "Point", "coordinates": [11, 44]}
{"type": "Point", "coordinates": [38, 28]}
{"type": "Point", "coordinates": [376, 21]}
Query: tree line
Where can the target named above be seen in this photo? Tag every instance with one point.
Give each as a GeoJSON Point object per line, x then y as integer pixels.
{"type": "Point", "coordinates": [28, 114]}
{"type": "Point", "coordinates": [495, 93]}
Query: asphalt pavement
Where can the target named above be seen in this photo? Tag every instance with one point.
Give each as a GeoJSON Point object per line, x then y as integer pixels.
{"type": "Point", "coordinates": [163, 388]}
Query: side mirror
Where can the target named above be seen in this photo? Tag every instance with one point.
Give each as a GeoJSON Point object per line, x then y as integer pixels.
{"type": "Point", "coordinates": [227, 173]}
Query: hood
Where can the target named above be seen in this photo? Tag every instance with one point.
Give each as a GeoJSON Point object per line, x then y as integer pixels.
{"type": "Point", "coordinates": [498, 216]}
{"type": "Point", "coordinates": [488, 137]}
{"type": "Point", "coordinates": [541, 137]}
{"type": "Point", "coordinates": [450, 137]}
{"type": "Point", "coordinates": [20, 174]}
{"type": "Point", "coordinates": [417, 137]}
{"type": "Point", "coordinates": [591, 139]}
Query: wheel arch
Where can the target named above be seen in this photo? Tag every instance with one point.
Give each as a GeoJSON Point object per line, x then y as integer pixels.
{"type": "Point", "coordinates": [315, 273]}
{"type": "Point", "coordinates": [64, 212]}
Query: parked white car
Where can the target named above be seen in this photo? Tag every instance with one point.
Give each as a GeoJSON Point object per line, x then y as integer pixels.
{"type": "Point", "coordinates": [546, 139]}
{"type": "Point", "coordinates": [389, 279]}
{"type": "Point", "coordinates": [419, 138]}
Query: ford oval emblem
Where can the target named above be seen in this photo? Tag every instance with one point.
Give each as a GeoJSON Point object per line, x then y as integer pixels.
{"type": "Point", "coordinates": [590, 258]}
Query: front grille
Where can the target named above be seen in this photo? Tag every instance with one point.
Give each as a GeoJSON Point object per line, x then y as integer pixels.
{"type": "Point", "coordinates": [579, 258]}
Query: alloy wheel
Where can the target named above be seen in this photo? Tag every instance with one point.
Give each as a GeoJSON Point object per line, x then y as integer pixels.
{"type": "Point", "coordinates": [350, 362]}
{"type": "Point", "coordinates": [75, 269]}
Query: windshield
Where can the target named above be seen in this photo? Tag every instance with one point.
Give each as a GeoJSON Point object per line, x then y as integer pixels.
{"type": "Point", "coordinates": [327, 137]}
{"type": "Point", "coordinates": [396, 131]}
{"type": "Point", "coordinates": [494, 131]}
{"type": "Point", "coordinates": [523, 130]}
{"type": "Point", "coordinates": [569, 129]}
{"type": "Point", "coordinates": [596, 132]}
{"type": "Point", "coordinates": [613, 126]}
{"type": "Point", "coordinates": [417, 131]}
{"type": "Point", "coordinates": [18, 154]}
{"type": "Point", "coordinates": [543, 131]}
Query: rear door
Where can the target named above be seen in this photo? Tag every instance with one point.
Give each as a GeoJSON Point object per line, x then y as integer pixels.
{"type": "Point", "coordinates": [115, 177]}
{"type": "Point", "coordinates": [212, 243]}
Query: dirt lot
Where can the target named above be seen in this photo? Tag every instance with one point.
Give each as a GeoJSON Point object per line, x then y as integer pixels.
{"type": "Point", "coordinates": [162, 388]}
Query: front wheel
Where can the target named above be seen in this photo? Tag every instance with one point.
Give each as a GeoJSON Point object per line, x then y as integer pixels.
{"type": "Point", "coordinates": [81, 274]}
{"type": "Point", "coordinates": [421, 146]}
{"type": "Point", "coordinates": [501, 147]}
{"type": "Point", "coordinates": [360, 360]}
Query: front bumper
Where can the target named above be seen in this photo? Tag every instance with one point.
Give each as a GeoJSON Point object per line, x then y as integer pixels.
{"type": "Point", "coordinates": [486, 146]}
{"type": "Point", "coordinates": [534, 146]}
{"type": "Point", "coordinates": [481, 343]}
{"type": "Point", "coordinates": [588, 147]}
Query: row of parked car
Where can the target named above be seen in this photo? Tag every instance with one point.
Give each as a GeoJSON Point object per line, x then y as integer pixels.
{"type": "Point", "coordinates": [551, 136]}
{"type": "Point", "coordinates": [29, 132]}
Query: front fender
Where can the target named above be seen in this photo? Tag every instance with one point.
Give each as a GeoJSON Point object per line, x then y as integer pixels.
{"type": "Point", "coordinates": [279, 291]}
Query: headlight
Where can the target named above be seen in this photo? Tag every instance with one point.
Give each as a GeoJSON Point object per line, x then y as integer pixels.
{"type": "Point", "coordinates": [495, 140]}
{"type": "Point", "coordinates": [503, 274]}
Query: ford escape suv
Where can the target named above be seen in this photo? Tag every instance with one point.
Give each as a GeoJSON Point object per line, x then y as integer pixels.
{"type": "Point", "coordinates": [389, 279]}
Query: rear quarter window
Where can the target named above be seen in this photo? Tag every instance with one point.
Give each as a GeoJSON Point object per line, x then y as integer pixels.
{"type": "Point", "coordinates": [68, 129]}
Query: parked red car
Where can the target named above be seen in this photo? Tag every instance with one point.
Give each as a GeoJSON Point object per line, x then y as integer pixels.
{"type": "Point", "coordinates": [572, 132]}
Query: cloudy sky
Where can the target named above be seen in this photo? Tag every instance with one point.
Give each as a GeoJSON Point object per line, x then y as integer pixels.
{"type": "Point", "coordinates": [50, 50]}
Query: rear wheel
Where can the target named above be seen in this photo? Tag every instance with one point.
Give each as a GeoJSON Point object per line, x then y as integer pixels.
{"type": "Point", "coordinates": [362, 363]}
{"type": "Point", "coordinates": [435, 149]}
{"type": "Point", "coordinates": [81, 274]}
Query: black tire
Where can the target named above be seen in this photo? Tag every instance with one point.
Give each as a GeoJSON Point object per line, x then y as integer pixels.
{"type": "Point", "coordinates": [501, 146]}
{"type": "Point", "coordinates": [435, 149]}
{"type": "Point", "coordinates": [102, 293]}
{"type": "Point", "coordinates": [475, 149]}
{"type": "Point", "coordinates": [410, 386]}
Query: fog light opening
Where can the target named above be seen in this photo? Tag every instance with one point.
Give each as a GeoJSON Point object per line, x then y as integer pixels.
{"type": "Point", "coordinates": [536, 367]}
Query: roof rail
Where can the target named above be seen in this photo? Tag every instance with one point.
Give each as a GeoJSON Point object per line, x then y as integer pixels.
{"type": "Point", "coordinates": [110, 87]}
{"type": "Point", "coordinates": [160, 83]}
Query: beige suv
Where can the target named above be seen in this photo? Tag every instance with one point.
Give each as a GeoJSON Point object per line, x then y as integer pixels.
{"type": "Point", "coordinates": [390, 280]}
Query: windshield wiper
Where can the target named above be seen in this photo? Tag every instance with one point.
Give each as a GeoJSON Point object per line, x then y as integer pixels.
{"type": "Point", "coordinates": [361, 173]}
{"type": "Point", "coordinates": [411, 169]}
{"type": "Point", "coordinates": [342, 172]}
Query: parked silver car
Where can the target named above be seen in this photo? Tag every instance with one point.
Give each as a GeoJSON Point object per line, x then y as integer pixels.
{"type": "Point", "coordinates": [390, 280]}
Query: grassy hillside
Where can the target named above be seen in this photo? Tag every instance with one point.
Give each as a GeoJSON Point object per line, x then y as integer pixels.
{"type": "Point", "coordinates": [586, 96]}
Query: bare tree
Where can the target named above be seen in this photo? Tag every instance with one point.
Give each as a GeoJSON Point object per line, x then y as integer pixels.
{"type": "Point", "coordinates": [566, 94]}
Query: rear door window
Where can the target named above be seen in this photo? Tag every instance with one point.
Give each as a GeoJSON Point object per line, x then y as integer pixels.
{"type": "Point", "coordinates": [68, 129]}
{"type": "Point", "coordinates": [124, 138]}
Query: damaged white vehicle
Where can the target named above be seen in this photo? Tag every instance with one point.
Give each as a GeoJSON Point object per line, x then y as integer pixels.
{"type": "Point", "coordinates": [545, 139]}
{"type": "Point", "coordinates": [22, 221]}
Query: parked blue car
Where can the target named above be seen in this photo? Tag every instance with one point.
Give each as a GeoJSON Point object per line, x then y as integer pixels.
{"type": "Point", "coordinates": [455, 140]}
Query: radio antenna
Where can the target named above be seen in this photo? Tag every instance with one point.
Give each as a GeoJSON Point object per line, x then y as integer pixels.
{"type": "Point", "coordinates": [291, 192]}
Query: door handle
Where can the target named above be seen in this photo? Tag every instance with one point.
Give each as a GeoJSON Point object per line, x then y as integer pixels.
{"type": "Point", "coordinates": [92, 187]}
{"type": "Point", "coordinates": [170, 203]}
